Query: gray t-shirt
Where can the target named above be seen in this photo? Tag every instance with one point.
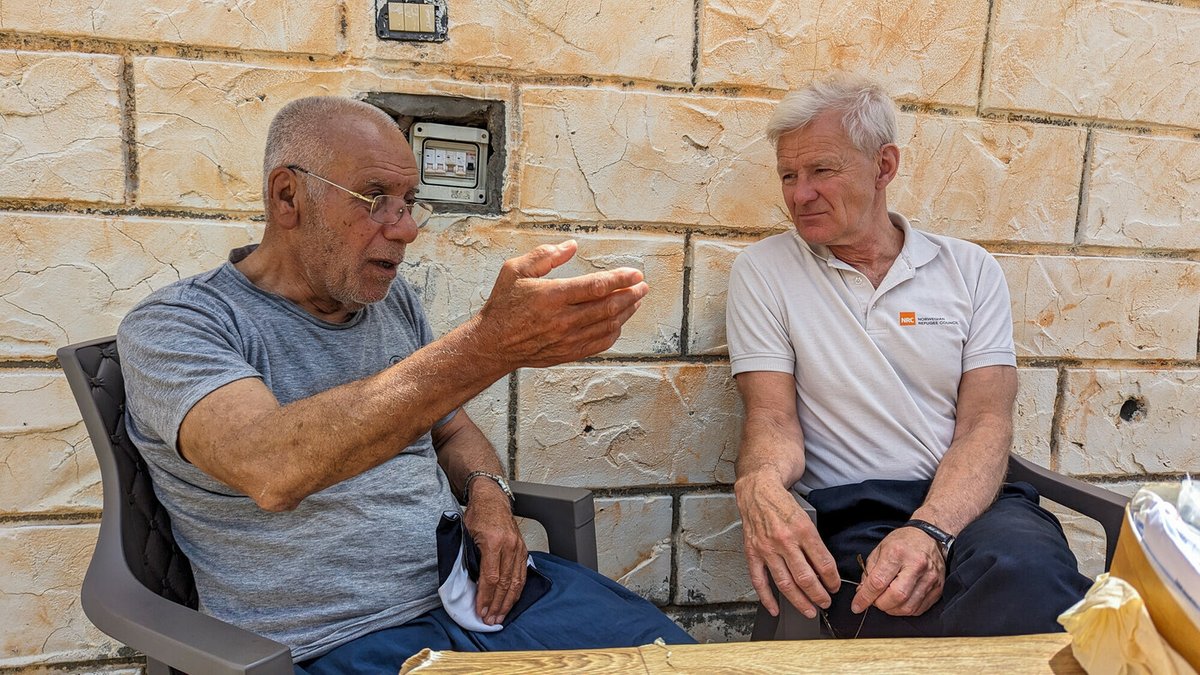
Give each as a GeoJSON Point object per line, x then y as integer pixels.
{"type": "Point", "coordinates": [353, 558]}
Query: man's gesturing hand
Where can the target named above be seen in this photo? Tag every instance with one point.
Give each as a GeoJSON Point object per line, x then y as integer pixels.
{"type": "Point", "coordinates": [502, 553]}
{"type": "Point", "coordinates": [531, 321]}
{"type": "Point", "coordinates": [904, 575]}
{"type": "Point", "coordinates": [780, 538]}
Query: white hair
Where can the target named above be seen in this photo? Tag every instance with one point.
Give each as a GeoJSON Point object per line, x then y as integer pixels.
{"type": "Point", "coordinates": [868, 113]}
{"type": "Point", "coordinates": [296, 135]}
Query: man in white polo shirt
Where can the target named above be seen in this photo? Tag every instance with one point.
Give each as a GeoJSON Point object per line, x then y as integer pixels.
{"type": "Point", "coordinates": [877, 369]}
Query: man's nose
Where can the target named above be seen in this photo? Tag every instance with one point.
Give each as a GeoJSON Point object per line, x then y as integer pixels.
{"type": "Point", "coordinates": [803, 192]}
{"type": "Point", "coordinates": [404, 230]}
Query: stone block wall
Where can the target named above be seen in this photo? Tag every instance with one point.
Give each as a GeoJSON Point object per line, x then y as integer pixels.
{"type": "Point", "coordinates": [1063, 136]}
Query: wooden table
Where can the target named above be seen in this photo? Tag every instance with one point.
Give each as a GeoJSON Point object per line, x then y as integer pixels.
{"type": "Point", "coordinates": [1021, 654]}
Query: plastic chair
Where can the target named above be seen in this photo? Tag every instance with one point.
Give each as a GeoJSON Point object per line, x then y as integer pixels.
{"type": "Point", "coordinates": [139, 587]}
{"type": "Point", "coordinates": [1104, 506]}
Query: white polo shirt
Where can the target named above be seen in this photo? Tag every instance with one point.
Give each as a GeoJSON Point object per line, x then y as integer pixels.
{"type": "Point", "coordinates": [877, 369]}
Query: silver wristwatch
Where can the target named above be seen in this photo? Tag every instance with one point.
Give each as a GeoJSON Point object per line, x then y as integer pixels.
{"type": "Point", "coordinates": [512, 500]}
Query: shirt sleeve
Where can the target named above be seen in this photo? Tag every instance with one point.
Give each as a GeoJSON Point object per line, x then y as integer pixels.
{"type": "Point", "coordinates": [990, 337]}
{"type": "Point", "coordinates": [755, 324]}
{"type": "Point", "coordinates": [172, 355]}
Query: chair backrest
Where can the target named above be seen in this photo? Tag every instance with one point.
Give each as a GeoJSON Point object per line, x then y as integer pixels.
{"type": "Point", "coordinates": [93, 370]}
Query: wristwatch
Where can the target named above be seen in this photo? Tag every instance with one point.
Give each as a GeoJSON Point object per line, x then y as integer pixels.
{"type": "Point", "coordinates": [487, 474]}
{"type": "Point", "coordinates": [944, 539]}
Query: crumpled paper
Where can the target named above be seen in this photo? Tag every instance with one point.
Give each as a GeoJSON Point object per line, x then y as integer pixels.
{"type": "Point", "coordinates": [1112, 634]}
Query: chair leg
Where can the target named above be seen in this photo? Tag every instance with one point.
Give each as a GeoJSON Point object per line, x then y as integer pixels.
{"type": "Point", "coordinates": [789, 625]}
{"type": "Point", "coordinates": [765, 625]}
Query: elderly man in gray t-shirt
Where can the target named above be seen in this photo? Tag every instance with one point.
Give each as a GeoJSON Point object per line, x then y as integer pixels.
{"type": "Point", "coordinates": [304, 429]}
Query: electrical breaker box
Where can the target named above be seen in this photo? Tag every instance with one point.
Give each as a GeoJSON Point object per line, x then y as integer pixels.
{"type": "Point", "coordinates": [452, 161]}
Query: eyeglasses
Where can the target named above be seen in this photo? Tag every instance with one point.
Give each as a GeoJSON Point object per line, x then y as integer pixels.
{"type": "Point", "coordinates": [385, 209]}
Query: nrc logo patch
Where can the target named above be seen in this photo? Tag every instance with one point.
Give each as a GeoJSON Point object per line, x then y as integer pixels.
{"type": "Point", "coordinates": [908, 318]}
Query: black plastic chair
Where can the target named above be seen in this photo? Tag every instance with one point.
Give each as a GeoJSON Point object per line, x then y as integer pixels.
{"type": "Point", "coordinates": [139, 587]}
{"type": "Point", "coordinates": [1104, 506]}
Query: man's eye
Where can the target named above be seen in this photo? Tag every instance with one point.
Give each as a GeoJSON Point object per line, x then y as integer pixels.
{"type": "Point", "coordinates": [787, 177]}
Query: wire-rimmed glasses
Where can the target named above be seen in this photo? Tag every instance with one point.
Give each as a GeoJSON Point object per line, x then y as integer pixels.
{"type": "Point", "coordinates": [385, 209]}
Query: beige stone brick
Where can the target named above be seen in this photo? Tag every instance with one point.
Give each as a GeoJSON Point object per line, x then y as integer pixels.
{"type": "Point", "coordinates": [640, 40]}
{"type": "Point", "coordinates": [202, 126]}
{"type": "Point", "coordinates": [455, 267]}
{"type": "Point", "coordinates": [1110, 59]}
{"type": "Point", "coordinates": [711, 563]}
{"type": "Point", "coordinates": [727, 624]}
{"type": "Point", "coordinates": [604, 426]}
{"type": "Point", "coordinates": [35, 400]}
{"type": "Point", "coordinates": [1103, 307]}
{"type": "Point", "coordinates": [924, 50]}
{"type": "Point", "coordinates": [60, 126]}
{"type": "Point", "coordinates": [1033, 414]}
{"type": "Point", "coordinates": [1130, 422]}
{"type": "Point", "coordinates": [711, 263]}
{"type": "Point", "coordinates": [1144, 192]}
{"type": "Point", "coordinates": [46, 461]}
{"type": "Point", "coordinates": [489, 412]}
{"type": "Point", "coordinates": [306, 27]}
{"type": "Point", "coordinates": [988, 181]}
{"type": "Point", "coordinates": [51, 471]}
{"type": "Point", "coordinates": [72, 278]}
{"type": "Point", "coordinates": [634, 540]}
{"type": "Point", "coordinates": [611, 155]}
{"type": "Point", "coordinates": [39, 596]}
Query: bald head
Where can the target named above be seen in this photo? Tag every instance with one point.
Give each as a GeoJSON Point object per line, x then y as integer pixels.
{"type": "Point", "coordinates": [302, 132]}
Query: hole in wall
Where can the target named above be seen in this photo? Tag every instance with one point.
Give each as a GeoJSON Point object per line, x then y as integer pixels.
{"type": "Point", "coordinates": [1133, 409]}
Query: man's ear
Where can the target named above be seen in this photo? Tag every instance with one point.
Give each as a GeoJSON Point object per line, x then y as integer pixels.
{"type": "Point", "coordinates": [888, 165]}
{"type": "Point", "coordinates": [283, 198]}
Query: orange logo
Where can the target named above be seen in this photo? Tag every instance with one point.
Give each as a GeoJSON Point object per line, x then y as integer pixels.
{"type": "Point", "coordinates": [908, 318]}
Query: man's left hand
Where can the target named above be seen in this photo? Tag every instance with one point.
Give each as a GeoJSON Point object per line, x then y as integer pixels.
{"type": "Point", "coordinates": [502, 553]}
{"type": "Point", "coordinates": [904, 575]}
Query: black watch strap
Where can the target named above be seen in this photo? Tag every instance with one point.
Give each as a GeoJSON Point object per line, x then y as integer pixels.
{"type": "Point", "coordinates": [944, 539]}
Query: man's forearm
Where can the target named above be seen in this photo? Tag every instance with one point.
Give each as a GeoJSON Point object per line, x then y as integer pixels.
{"type": "Point", "coordinates": [282, 456]}
{"type": "Point", "coordinates": [967, 481]}
{"type": "Point", "coordinates": [970, 473]}
{"type": "Point", "coordinates": [770, 450]}
{"type": "Point", "coordinates": [462, 448]}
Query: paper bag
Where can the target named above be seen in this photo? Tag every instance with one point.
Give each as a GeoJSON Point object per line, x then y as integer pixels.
{"type": "Point", "coordinates": [1130, 563]}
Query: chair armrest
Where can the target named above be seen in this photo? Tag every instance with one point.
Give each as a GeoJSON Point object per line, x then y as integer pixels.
{"type": "Point", "coordinates": [805, 506]}
{"type": "Point", "coordinates": [568, 514]}
{"type": "Point", "coordinates": [1104, 506]}
{"type": "Point", "coordinates": [181, 637]}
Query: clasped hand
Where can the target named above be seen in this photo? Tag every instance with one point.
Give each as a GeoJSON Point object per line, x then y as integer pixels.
{"type": "Point", "coordinates": [904, 575]}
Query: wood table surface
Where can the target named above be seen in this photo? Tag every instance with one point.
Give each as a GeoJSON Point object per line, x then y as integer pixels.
{"type": "Point", "coordinates": [1049, 653]}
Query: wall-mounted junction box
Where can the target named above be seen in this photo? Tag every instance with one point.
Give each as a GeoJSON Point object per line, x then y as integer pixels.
{"type": "Point", "coordinates": [459, 145]}
{"type": "Point", "coordinates": [452, 161]}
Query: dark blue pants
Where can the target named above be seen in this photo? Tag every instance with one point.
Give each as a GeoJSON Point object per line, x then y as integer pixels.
{"type": "Point", "coordinates": [1010, 571]}
{"type": "Point", "coordinates": [582, 610]}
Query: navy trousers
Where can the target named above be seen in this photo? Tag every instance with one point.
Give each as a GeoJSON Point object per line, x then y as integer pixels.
{"type": "Point", "coordinates": [582, 610]}
{"type": "Point", "coordinates": [1010, 571]}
